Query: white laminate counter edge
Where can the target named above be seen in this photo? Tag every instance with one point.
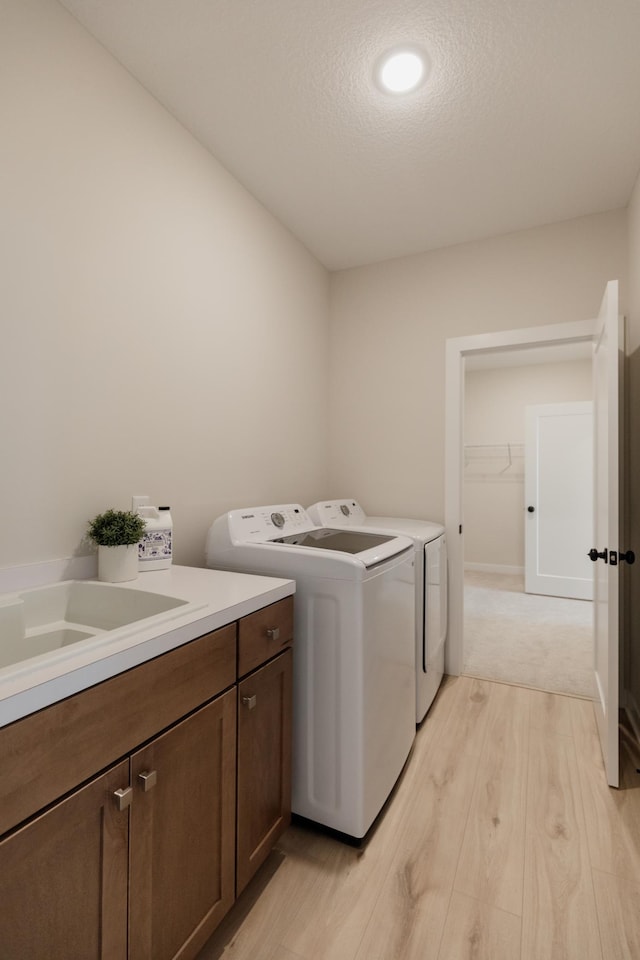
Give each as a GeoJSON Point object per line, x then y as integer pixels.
{"type": "Point", "coordinates": [215, 599]}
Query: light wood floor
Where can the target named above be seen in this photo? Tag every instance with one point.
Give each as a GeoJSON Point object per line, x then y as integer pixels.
{"type": "Point", "coordinates": [502, 842]}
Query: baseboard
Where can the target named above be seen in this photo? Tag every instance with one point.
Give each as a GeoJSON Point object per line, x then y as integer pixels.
{"type": "Point", "coordinates": [493, 568]}
{"type": "Point", "coordinates": [48, 571]}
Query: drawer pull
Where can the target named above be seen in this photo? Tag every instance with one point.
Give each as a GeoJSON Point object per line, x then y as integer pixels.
{"type": "Point", "coordinates": [148, 779]}
{"type": "Point", "coordinates": [123, 797]}
{"type": "Point", "coordinates": [249, 702]}
{"type": "Point", "coordinates": [273, 633]}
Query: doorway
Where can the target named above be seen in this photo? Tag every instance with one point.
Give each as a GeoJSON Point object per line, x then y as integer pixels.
{"type": "Point", "coordinates": [520, 627]}
{"type": "Point", "coordinates": [460, 352]}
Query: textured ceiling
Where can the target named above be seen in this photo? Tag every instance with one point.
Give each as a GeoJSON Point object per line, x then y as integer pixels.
{"type": "Point", "coordinates": [531, 113]}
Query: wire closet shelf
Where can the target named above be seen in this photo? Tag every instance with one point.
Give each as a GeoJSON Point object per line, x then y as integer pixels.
{"type": "Point", "coordinates": [494, 462]}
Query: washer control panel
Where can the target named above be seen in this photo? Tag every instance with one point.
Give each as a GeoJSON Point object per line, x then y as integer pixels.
{"type": "Point", "coordinates": [337, 513]}
{"type": "Point", "coordinates": [261, 524]}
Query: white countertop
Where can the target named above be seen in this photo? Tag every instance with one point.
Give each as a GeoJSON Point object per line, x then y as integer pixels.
{"type": "Point", "coordinates": [215, 598]}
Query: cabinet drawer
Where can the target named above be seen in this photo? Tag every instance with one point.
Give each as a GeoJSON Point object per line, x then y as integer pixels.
{"type": "Point", "coordinates": [264, 634]}
{"type": "Point", "coordinates": [48, 753]}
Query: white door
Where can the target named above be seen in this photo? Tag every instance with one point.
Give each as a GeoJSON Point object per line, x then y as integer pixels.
{"type": "Point", "coordinates": [558, 492]}
{"type": "Point", "coordinates": [608, 353]}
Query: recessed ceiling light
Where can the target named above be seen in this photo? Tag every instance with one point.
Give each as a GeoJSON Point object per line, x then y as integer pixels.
{"type": "Point", "coordinates": [401, 70]}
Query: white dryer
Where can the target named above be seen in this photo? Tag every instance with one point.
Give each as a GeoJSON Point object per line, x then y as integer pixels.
{"type": "Point", "coordinates": [353, 654]}
{"type": "Point", "coordinates": [431, 584]}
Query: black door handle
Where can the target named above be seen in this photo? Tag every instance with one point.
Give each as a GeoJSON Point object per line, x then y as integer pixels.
{"type": "Point", "coordinates": [531, 509]}
{"type": "Point", "coordinates": [626, 557]}
{"type": "Point", "coordinates": [594, 555]}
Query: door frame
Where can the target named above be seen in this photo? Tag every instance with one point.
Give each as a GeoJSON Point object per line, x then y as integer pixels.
{"type": "Point", "coordinates": [457, 349]}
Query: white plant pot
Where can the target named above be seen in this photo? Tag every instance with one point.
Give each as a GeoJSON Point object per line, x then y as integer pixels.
{"type": "Point", "coordinates": [116, 564]}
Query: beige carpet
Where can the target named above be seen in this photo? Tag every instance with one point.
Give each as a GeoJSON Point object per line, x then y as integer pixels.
{"type": "Point", "coordinates": [543, 642]}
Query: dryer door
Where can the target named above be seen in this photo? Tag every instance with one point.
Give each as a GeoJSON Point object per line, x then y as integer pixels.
{"type": "Point", "coordinates": [435, 572]}
{"type": "Point", "coordinates": [435, 626]}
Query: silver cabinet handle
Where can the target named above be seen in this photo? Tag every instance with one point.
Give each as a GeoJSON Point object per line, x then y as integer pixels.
{"type": "Point", "coordinates": [123, 797]}
{"type": "Point", "coordinates": [273, 633]}
{"type": "Point", "coordinates": [148, 779]}
{"type": "Point", "coordinates": [249, 702]}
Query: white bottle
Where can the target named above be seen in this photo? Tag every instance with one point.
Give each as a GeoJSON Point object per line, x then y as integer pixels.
{"type": "Point", "coordinates": [155, 550]}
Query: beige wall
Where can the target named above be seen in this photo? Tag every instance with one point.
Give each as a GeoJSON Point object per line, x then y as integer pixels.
{"type": "Point", "coordinates": [390, 322]}
{"type": "Point", "coordinates": [161, 332]}
{"type": "Point", "coordinates": [495, 403]}
{"type": "Point", "coordinates": [632, 574]}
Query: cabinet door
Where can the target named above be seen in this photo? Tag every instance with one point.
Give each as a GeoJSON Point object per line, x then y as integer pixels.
{"type": "Point", "coordinates": [63, 878]}
{"type": "Point", "coordinates": [264, 763]}
{"type": "Point", "coordinates": [182, 834]}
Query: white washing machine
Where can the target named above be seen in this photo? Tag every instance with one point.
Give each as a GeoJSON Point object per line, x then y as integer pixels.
{"type": "Point", "coordinates": [353, 654]}
{"type": "Point", "coordinates": [431, 584]}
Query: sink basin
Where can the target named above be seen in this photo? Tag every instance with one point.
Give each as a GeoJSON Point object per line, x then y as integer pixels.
{"type": "Point", "coordinates": [45, 619]}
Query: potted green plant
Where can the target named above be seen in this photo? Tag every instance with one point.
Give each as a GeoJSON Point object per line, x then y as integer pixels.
{"type": "Point", "coordinates": [116, 533]}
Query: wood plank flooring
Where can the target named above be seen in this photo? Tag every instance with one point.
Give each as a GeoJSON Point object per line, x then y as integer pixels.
{"type": "Point", "coordinates": [501, 842]}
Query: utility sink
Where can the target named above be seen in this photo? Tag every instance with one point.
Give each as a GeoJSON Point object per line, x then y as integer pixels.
{"type": "Point", "coordinates": [45, 619]}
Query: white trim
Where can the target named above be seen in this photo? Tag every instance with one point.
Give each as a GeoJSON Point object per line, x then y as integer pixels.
{"type": "Point", "coordinates": [48, 571]}
{"type": "Point", "coordinates": [493, 568]}
{"type": "Point", "coordinates": [457, 349]}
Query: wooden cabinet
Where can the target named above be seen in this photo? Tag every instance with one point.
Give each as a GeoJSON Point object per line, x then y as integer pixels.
{"type": "Point", "coordinates": [264, 763]}
{"type": "Point", "coordinates": [49, 753]}
{"type": "Point", "coordinates": [264, 634]}
{"type": "Point", "coordinates": [147, 873]}
{"type": "Point", "coordinates": [264, 734]}
{"type": "Point", "coordinates": [182, 845]}
{"type": "Point", "coordinates": [64, 878]}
